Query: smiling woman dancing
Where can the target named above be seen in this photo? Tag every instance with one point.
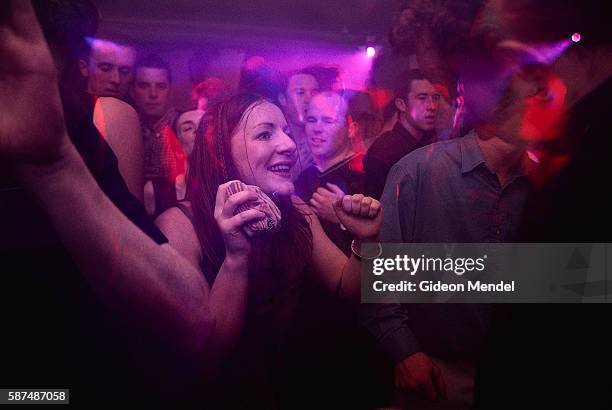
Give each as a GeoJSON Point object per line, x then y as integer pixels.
{"type": "Point", "coordinates": [254, 280]}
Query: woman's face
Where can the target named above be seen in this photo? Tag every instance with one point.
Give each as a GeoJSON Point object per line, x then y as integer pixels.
{"type": "Point", "coordinates": [186, 127]}
{"type": "Point", "coordinates": [263, 152]}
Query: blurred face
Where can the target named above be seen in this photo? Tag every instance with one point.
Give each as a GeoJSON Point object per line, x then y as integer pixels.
{"type": "Point", "coordinates": [186, 126]}
{"type": "Point", "coordinates": [533, 112]}
{"type": "Point", "coordinates": [300, 90]}
{"type": "Point", "coordinates": [421, 106]}
{"type": "Point", "coordinates": [326, 126]}
{"type": "Point", "coordinates": [150, 91]}
{"type": "Point", "coordinates": [262, 150]}
{"type": "Point", "coordinates": [109, 70]}
{"type": "Point", "coordinates": [543, 116]}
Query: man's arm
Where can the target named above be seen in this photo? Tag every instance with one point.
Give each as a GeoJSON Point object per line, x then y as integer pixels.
{"type": "Point", "coordinates": [389, 322]}
{"type": "Point", "coordinates": [129, 271]}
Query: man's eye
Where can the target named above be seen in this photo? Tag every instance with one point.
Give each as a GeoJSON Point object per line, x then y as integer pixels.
{"type": "Point", "coordinates": [311, 119]}
{"type": "Point", "coordinates": [543, 94]}
{"type": "Point", "coordinates": [329, 120]}
{"type": "Point", "coordinates": [125, 71]}
{"type": "Point", "coordinates": [436, 97]}
{"type": "Point", "coordinates": [105, 67]}
{"type": "Point", "coordinates": [266, 135]}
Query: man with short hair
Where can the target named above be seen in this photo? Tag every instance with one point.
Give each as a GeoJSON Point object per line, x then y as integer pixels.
{"type": "Point", "coordinates": [150, 94]}
{"type": "Point", "coordinates": [337, 165]}
{"type": "Point", "coordinates": [324, 331]}
{"type": "Point", "coordinates": [299, 88]}
{"type": "Point", "coordinates": [417, 103]}
{"type": "Point", "coordinates": [109, 68]}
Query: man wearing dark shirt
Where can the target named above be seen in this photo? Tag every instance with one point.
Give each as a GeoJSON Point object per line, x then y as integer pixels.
{"type": "Point", "coordinates": [319, 355]}
{"type": "Point", "coordinates": [329, 132]}
{"type": "Point", "coordinates": [417, 103]}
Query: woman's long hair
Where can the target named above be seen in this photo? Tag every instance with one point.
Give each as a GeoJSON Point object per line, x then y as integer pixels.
{"type": "Point", "coordinates": [211, 165]}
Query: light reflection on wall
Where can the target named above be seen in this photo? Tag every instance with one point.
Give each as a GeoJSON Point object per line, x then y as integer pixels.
{"type": "Point", "coordinates": [190, 63]}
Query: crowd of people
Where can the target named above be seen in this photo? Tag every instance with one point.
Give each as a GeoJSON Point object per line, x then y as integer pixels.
{"type": "Point", "coordinates": [210, 257]}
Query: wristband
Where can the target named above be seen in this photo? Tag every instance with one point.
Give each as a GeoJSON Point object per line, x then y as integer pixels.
{"type": "Point", "coordinates": [360, 256]}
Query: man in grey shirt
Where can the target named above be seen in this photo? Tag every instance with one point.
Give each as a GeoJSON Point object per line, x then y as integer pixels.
{"type": "Point", "coordinates": [470, 189]}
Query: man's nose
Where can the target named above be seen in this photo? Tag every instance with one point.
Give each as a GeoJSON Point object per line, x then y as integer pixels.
{"type": "Point", "coordinates": [432, 105]}
{"type": "Point", "coordinates": [114, 77]}
{"type": "Point", "coordinates": [317, 127]}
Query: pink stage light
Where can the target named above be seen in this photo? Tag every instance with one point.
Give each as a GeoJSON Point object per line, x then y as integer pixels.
{"type": "Point", "coordinates": [576, 37]}
{"type": "Point", "coordinates": [370, 52]}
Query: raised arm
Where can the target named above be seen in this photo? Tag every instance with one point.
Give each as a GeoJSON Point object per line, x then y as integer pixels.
{"type": "Point", "coordinates": [362, 217]}
{"type": "Point", "coordinates": [129, 272]}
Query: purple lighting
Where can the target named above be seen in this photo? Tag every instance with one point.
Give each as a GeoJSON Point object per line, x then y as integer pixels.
{"type": "Point", "coordinates": [576, 37]}
{"type": "Point", "coordinates": [370, 51]}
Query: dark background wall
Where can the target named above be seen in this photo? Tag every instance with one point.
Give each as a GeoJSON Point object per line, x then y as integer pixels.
{"type": "Point", "coordinates": [214, 36]}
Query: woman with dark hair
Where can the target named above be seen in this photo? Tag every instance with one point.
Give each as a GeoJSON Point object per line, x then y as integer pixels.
{"type": "Point", "coordinates": [254, 280]}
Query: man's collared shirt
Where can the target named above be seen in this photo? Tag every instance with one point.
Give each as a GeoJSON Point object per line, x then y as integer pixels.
{"type": "Point", "coordinates": [446, 193]}
{"type": "Point", "coordinates": [162, 149]}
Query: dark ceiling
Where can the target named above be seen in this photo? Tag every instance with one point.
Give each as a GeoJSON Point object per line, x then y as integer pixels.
{"type": "Point", "coordinates": [333, 21]}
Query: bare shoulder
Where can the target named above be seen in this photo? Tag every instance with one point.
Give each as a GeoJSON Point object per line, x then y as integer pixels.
{"type": "Point", "coordinates": [181, 234]}
{"type": "Point", "coordinates": [116, 106]}
{"type": "Point", "coordinates": [117, 121]}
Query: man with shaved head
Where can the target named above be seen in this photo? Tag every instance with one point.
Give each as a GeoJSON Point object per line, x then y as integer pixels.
{"type": "Point", "coordinates": [109, 68]}
{"type": "Point", "coordinates": [337, 165]}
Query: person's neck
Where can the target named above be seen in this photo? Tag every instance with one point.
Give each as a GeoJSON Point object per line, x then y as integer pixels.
{"type": "Point", "coordinates": [150, 121]}
{"type": "Point", "coordinates": [323, 164]}
{"type": "Point", "coordinates": [416, 133]}
{"type": "Point", "coordinates": [501, 156]}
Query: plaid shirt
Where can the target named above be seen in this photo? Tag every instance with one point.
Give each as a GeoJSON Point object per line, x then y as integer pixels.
{"type": "Point", "coordinates": [163, 155]}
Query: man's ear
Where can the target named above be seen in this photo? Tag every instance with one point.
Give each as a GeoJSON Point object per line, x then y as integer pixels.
{"type": "Point", "coordinates": [282, 100]}
{"type": "Point", "coordinates": [400, 104]}
{"type": "Point", "coordinates": [83, 68]}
